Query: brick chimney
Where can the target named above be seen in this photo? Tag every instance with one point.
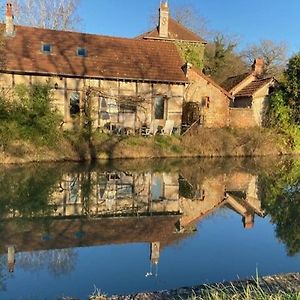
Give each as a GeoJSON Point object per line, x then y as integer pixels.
{"type": "Point", "coordinates": [9, 20]}
{"type": "Point", "coordinates": [163, 26]}
{"type": "Point", "coordinates": [258, 66]}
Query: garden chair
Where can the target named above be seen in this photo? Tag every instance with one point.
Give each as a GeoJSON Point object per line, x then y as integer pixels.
{"type": "Point", "coordinates": [168, 128]}
{"type": "Point", "coordinates": [152, 130]}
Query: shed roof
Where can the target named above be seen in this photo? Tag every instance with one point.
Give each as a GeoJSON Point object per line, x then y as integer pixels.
{"type": "Point", "coordinates": [233, 81]}
{"type": "Point", "coordinates": [253, 87]}
{"type": "Point", "coordinates": [107, 57]}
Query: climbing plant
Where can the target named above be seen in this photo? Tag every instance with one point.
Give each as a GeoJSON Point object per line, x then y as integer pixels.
{"type": "Point", "coordinates": [192, 53]}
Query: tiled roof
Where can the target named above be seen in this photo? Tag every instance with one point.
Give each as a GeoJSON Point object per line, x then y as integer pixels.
{"type": "Point", "coordinates": [211, 81]}
{"type": "Point", "coordinates": [176, 32]}
{"type": "Point", "coordinates": [107, 57]}
{"type": "Point", "coordinates": [253, 87]}
{"type": "Point", "coordinates": [233, 81]}
{"type": "Point", "coordinates": [99, 231]}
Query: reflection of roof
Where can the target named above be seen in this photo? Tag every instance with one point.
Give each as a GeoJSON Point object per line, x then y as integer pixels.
{"type": "Point", "coordinates": [69, 233]}
{"type": "Point", "coordinates": [233, 81]}
{"type": "Point", "coordinates": [253, 87]}
{"type": "Point", "coordinates": [107, 57]}
{"type": "Point", "coordinates": [176, 32]}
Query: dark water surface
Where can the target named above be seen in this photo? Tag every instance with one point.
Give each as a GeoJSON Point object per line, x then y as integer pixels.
{"type": "Point", "coordinates": [133, 226]}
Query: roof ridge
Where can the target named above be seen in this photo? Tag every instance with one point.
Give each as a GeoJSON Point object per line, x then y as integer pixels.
{"type": "Point", "coordinates": [248, 73]}
{"type": "Point", "coordinates": [80, 33]}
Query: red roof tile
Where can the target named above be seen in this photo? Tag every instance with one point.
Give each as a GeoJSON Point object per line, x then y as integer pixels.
{"type": "Point", "coordinates": [253, 87]}
{"type": "Point", "coordinates": [108, 57]}
{"type": "Point", "coordinates": [176, 32]}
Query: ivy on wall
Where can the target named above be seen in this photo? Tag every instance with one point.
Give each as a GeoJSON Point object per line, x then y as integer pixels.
{"type": "Point", "coordinates": [192, 53]}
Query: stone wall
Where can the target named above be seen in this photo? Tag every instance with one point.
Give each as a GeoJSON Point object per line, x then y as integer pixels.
{"type": "Point", "coordinates": [214, 103]}
{"type": "Point", "coordinates": [242, 118]}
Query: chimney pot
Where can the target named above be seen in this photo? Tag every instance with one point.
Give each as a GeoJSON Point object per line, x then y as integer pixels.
{"type": "Point", "coordinates": [9, 12]}
{"type": "Point", "coordinates": [9, 22]}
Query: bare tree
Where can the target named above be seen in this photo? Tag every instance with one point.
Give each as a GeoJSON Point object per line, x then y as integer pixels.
{"type": "Point", "coordinates": [53, 14]}
{"type": "Point", "coordinates": [274, 55]}
{"type": "Point", "coordinates": [188, 16]}
{"type": "Point", "coordinates": [192, 19]}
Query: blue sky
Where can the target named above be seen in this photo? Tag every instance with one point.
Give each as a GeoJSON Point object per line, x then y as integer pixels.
{"type": "Point", "coordinates": [250, 21]}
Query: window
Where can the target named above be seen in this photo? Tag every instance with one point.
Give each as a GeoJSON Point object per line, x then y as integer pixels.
{"type": "Point", "coordinates": [205, 101]}
{"type": "Point", "coordinates": [159, 108]}
{"type": "Point", "coordinates": [47, 48]}
{"type": "Point", "coordinates": [157, 188]}
{"type": "Point", "coordinates": [81, 52]}
{"type": "Point", "coordinates": [74, 103]}
{"type": "Point", "coordinates": [128, 108]}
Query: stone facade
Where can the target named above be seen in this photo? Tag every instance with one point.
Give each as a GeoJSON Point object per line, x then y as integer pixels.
{"type": "Point", "coordinates": [64, 87]}
{"type": "Point", "coordinates": [213, 101]}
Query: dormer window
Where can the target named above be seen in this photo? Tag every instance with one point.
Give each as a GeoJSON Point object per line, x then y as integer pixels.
{"type": "Point", "coordinates": [46, 48]}
{"type": "Point", "coordinates": [81, 52]}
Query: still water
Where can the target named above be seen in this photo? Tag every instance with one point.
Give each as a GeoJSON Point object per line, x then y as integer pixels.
{"type": "Point", "coordinates": [135, 226]}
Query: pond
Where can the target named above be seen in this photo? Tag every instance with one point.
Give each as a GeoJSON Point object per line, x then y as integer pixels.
{"type": "Point", "coordinates": [132, 226]}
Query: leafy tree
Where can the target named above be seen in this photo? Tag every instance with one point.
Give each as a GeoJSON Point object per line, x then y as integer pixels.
{"type": "Point", "coordinates": [284, 109]}
{"type": "Point", "coordinates": [221, 61]}
{"type": "Point", "coordinates": [274, 55]}
{"type": "Point", "coordinates": [292, 85]}
{"type": "Point", "coordinates": [53, 14]}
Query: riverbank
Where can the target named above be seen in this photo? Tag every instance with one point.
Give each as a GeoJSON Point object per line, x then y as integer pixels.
{"type": "Point", "coordinates": [279, 287]}
{"type": "Point", "coordinates": [201, 142]}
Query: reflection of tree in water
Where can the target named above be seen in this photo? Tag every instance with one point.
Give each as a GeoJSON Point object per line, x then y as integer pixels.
{"type": "Point", "coordinates": [26, 191]}
{"type": "Point", "coordinates": [59, 261]}
{"type": "Point", "coordinates": [281, 200]}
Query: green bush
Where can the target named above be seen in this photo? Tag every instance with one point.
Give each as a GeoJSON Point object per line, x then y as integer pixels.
{"type": "Point", "coordinates": [29, 115]}
{"type": "Point", "coordinates": [280, 117]}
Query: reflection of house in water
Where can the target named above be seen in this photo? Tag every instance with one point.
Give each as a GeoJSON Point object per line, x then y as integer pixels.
{"type": "Point", "coordinates": [237, 191]}
{"type": "Point", "coordinates": [117, 194]}
{"type": "Point", "coordinates": [101, 208]}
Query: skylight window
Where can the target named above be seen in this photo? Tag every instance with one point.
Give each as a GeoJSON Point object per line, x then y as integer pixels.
{"type": "Point", "coordinates": [81, 52]}
{"type": "Point", "coordinates": [47, 48]}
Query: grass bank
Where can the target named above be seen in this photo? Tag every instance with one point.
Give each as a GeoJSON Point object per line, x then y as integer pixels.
{"type": "Point", "coordinates": [222, 293]}
{"type": "Point", "coordinates": [277, 287]}
{"type": "Point", "coordinates": [202, 142]}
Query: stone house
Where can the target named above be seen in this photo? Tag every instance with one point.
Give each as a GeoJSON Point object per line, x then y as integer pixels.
{"type": "Point", "coordinates": [250, 91]}
{"type": "Point", "coordinates": [115, 68]}
{"type": "Point", "coordinates": [133, 81]}
{"type": "Point", "coordinates": [205, 103]}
